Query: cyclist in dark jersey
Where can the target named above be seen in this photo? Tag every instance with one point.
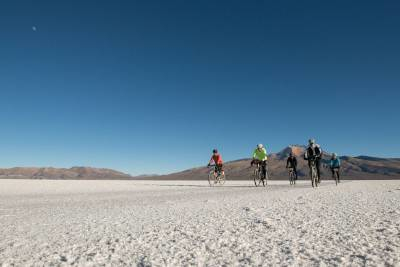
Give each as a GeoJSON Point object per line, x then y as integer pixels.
{"type": "Point", "coordinates": [314, 152]}
{"type": "Point", "coordinates": [292, 163]}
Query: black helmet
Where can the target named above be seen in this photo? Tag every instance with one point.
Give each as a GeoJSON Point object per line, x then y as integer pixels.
{"type": "Point", "coordinates": [215, 150]}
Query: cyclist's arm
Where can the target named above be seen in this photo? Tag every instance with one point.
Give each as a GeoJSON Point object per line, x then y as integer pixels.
{"type": "Point", "coordinates": [265, 154]}
{"type": "Point", "coordinates": [319, 154]}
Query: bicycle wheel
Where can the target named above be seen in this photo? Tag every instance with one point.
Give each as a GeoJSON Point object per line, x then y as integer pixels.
{"type": "Point", "coordinates": [221, 179]}
{"type": "Point", "coordinates": [314, 177]}
{"type": "Point", "coordinates": [257, 177]}
{"type": "Point", "coordinates": [265, 180]}
{"type": "Point", "coordinates": [211, 178]}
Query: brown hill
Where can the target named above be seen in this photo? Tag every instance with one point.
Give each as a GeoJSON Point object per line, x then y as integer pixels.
{"type": "Point", "coordinates": [62, 173]}
{"type": "Point", "coordinates": [362, 167]}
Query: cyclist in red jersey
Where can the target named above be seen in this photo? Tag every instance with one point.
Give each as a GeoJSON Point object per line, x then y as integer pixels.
{"type": "Point", "coordinates": [219, 163]}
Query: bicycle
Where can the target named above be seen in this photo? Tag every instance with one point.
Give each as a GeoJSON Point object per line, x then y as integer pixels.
{"type": "Point", "coordinates": [214, 180]}
{"type": "Point", "coordinates": [292, 176]}
{"type": "Point", "coordinates": [258, 175]}
{"type": "Point", "coordinates": [314, 173]}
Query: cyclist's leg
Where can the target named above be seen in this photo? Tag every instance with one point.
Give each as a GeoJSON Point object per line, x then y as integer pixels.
{"type": "Point", "coordinates": [333, 173]}
{"type": "Point", "coordinates": [309, 166]}
{"type": "Point", "coordinates": [264, 169]}
{"type": "Point", "coordinates": [295, 173]}
{"type": "Point", "coordinates": [221, 169]}
{"type": "Point", "coordinates": [318, 165]}
{"type": "Point", "coordinates": [338, 174]}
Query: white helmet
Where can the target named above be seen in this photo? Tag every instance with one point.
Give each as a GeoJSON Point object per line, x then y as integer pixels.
{"type": "Point", "coordinates": [259, 146]}
{"type": "Point", "coordinates": [311, 141]}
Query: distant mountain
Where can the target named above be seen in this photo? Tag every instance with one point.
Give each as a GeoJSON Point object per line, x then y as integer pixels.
{"type": "Point", "coordinates": [78, 173]}
{"type": "Point", "coordinates": [361, 167]}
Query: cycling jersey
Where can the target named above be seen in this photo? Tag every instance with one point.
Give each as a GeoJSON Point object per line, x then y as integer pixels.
{"type": "Point", "coordinates": [335, 163]}
{"type": "Point", "coordinates": [313, 151]}
{"type": "Point", "coordinates": [260, 155]}
{"type": "Point", "coordinates": [217, 159]}
{"type": "Point", "coordinates": [291, 162]}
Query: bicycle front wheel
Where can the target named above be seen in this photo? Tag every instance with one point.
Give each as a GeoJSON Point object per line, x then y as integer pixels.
{"type": "Point", "coordinates": [291, 178]}
{"type": "Point", "coordinates": [314, 178]}
{"type": "Point", "coordinates": [266, 177]}
{"type": "Point", "coordinates": [221, 179]}
{"type": "Point", "coordinates": [211, 178]}
{"type": "Point", "coordinates": [257, 178]}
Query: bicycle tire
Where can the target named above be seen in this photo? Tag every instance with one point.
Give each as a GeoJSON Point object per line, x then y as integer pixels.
{"type": "Point", "coordinates": [211, 178]}
{"type": "Point", "coordinates": [314, 177]}
{"type": "Point", "coordinates": [291, 177]}
{"type": "Point", "coordinates": [222, 179]}
{"type": "Point", "coordinates": [257, 177]}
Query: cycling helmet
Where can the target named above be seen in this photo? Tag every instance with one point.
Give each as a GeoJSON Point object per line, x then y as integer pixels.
{"type": "Point", "coordinates": [259, 146]}
{"type": "Point", "coordinates": [215, 151]}
{"type": "Point", "coordinates": [334, 155]}
{"type": "Point", "coordinates": [311, 141]}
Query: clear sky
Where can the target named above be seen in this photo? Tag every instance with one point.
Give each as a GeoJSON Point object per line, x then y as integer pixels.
{"type": "Point", "coordinates": [154, 86]}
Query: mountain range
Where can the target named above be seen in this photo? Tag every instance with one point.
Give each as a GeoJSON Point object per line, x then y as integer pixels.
{"type": "Point", "coordinates": [361, 167]}
{"type": "Point", "coordinates": [74, 173]}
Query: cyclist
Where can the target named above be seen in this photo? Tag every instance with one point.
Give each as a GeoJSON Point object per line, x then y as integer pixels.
{"type": "Point", "coordinates": [335, 165]}
{"type": "Point", "coordinates": [292, 163]}
{"type": "Point", "coordinates": [260, 157]}
{"type": "Point", "coordinates": [219, 163]}
{"type": "Point", "coordinates": [314, 152]}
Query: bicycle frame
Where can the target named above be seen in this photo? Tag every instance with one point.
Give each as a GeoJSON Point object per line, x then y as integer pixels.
{"type": "Point", "coordinates": [258, 175]}
{"type": "Point", "coordinates": [215, 175]}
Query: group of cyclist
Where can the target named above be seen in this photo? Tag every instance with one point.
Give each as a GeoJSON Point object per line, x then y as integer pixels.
{"type": "Point", "coordinates": [313, 153]}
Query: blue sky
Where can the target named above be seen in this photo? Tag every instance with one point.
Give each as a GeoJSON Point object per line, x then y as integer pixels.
{"type": "Point", "coordinates": [153, 86]}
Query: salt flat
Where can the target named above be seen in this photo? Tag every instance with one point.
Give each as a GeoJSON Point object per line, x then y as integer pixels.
{"type": "Point", "coordinates": [174, 223]}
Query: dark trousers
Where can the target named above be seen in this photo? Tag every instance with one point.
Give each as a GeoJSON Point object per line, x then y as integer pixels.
{"type": "Point", "coordinates": [333, 172]}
